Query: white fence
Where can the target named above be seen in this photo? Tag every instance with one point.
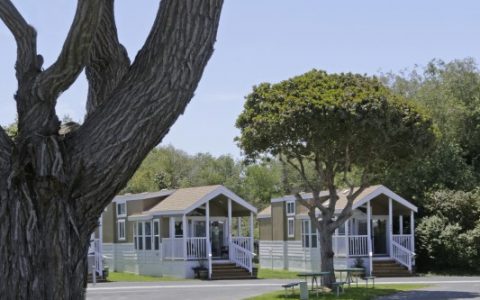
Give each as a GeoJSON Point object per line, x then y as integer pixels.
{"type": "Point", "coordinates": [241, 256]}
{"type": "Point", "coordinates": [242, 241]}
{"type": "Point", "coordinates": [357, 245]}
{"type": "Point", "coordinates": [405, 240]}
{"type": "Point", "coordinates": [196, 248]}
{"type": "Point", "coordinates": [402, 255]}
{"type": "Point", "coordinates": [172, 248]}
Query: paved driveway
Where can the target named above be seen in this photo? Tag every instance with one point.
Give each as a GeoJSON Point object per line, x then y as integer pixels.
{"type": "Point", "coordinates": [441, 288]}
{"type": "Point", "coordinates": [183, 290]}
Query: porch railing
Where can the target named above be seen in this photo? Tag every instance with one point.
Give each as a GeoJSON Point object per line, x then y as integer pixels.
{"type": "Point", "coordinates": [404, 240]}
{"type": "Point", "coordinates": [95, 252]}
{"type": "Point", "coordinates": [358, 245]}
{"type": "Point", "coordinates": [402, 255]}
{"type": "Point", "coordinates": [172, 248]}
{"type": "Point", "coordinates": [196, 248]}
{"type": "Point", "coordinates": [340, 245]}
{"type": "Point", "coordinates": [209, 254]}
{"type": "Point", "coordinates": [242, 257]}
{"type": "Point", "coordinates": [242, 241]}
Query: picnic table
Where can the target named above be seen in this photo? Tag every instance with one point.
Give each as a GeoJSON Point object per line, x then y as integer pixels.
{"type": "Point", "coordinates": [350, 272]}
{"type": "Point", "coordinates": [314, 276]}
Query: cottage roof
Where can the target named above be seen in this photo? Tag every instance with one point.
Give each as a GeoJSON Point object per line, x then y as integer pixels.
{"type": "Point", "coordinates": [366, 195]}
{"type": "Point", "coordinates": [265, 213]}
{"type": "Point", "coordinates": [184, 200]}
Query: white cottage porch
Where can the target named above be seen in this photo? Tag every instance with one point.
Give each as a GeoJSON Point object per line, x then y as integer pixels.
{"type": "Point", "coordinates": [389, 236]}
{"type": "Point", "coordinates": [216, 228]}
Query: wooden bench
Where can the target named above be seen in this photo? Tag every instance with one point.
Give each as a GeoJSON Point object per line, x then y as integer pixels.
{"type": "Point", "coordinates": [290, 285]}
{"type": "Point", "coordinates": [367, 278]}
{"type": "Point", "coordinates": [338, 285]}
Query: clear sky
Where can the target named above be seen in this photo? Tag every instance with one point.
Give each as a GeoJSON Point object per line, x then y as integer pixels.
{"type": "Point", "coordinates": [264, 40]}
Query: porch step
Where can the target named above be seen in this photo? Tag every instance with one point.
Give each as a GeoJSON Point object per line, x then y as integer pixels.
{"type": "Point", "coordinates": [231, 271]}
{"type": "Point", "coordinates": [389, 268]}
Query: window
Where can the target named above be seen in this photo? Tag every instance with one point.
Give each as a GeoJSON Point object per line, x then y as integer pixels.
{"type": "Point", "coordinates": [291, 227]}
{"type": "Point", "coordinates": [146, 235]}
{"type": "Point", "coordinates": [290, 208]}
{"type": "Point", "coordinates": [139, 235]}
{"type": "Point", "coordinates": [309, 234]}
{"type": "Point", "coordinates": [121, 230]}
{"type": "Point", "coordinates": [121, 209]}
{"type": "Point", "coordinates": [156, 234]}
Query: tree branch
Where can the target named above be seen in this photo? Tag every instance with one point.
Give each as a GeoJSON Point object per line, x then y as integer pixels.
{"type": "Point", "coordinates": [138, 113]}
{"type": "Point", "coordinates": [108, 61]}
{"type": "Point", "coordinates": [73, 57]}
{"type": "Point", "coordinates": [25, 37]}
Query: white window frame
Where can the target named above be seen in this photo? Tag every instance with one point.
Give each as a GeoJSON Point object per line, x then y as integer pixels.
{"type": "Point", "coordinates": [310, 235]}
{"type": "Point", "coordinates": [125, 212]}
{"type": "Point", "coordinates": [124, 237]}
{"type": "Point", "coordinates": [292, 203]}
{"type": "Point", "coordinates": [156, 224]}
{"type": "Point", "coordinates": [291, 234]}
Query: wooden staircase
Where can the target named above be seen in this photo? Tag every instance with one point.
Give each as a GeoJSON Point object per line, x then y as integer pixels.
{"type": "Point", "coordinates": [231, 271]}
{"type": "Point", "coordinates": [389, 268]}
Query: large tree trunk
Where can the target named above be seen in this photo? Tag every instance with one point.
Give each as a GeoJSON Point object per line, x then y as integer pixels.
{"type": "Point", "coordinates": [43, 254]}
{"type": "Point", "coordinates": [53, 188]}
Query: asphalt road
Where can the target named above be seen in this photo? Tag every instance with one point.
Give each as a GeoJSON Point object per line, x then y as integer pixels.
{"type": "Point", "coordinates": [440, 288]}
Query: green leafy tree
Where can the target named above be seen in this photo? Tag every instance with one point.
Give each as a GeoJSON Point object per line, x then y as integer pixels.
{"type": "Point", "coordinates": [448, 236]}
{"type": "Point", "coordinates": [323, 125]}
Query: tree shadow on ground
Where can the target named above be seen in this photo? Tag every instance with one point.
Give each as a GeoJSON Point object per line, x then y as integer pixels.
{"type": "Point", "coordinates": [431, 295]}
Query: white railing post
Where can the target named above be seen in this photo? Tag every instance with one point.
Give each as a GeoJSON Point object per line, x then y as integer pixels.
{"type": "Point", "coordinates": [184, 229]}
{"type": "Point", "coordinates": [172, 237]}
{"type": "Point", "coordinates": [369, 236]}
{"type": "Point", "coordinates": [100, 244]}
{"type": "Point", "coordinates": [347, 237]}
{"type": "Point", "coordinates": [251, 243]}
{"type": "Point", "coordinates": [390, 225]}
{"type": "Point", "coordinates": [229, 228]}
{"type": "Point", "coordinates": [209, 247]}
{"type": "Point", "coordinates": [412, 232]}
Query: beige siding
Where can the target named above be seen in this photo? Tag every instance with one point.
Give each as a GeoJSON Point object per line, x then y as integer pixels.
{"type": "Point", "coordinates": [108, 224]}
{"type": "Point", "coordinates": [164, 227]}
{"type": "Point", "coordinates": [279, 221]}
{"type": "Point", "coordinates": [265, 228]}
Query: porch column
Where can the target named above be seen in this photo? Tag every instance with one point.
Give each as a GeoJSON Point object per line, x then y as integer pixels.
{"type": "Point", "coordinates": [184, 228]}
{"type": "Point", "coordinates": [239, 226]}
{"type": "Point", "coordinates": [400, 224]}
{"type": "Point", "coordinates": [209, 246]}
{"type": "Point", "coordinates": [229, 227]}
{"type": "Point", "coordinates": [390, 227]}
{"type": "Point", "coordinates": [347, 240]}
{"type": "Point", "coordinates": [251, 232]}
{"type": "Point", "coordinates": [172, 237]}
{"type": "Point", "coordinates": [369, 234]}
{"type": "Point", "coordinates": [412, 231]}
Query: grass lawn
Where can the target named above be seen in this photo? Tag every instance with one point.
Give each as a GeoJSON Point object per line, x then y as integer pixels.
{"type": "Point", "coordinates": [276, 274]}
{"type": "Point", "coordinates": [360, 293]}
{"type": "Point", "coordinates": [129, 277]}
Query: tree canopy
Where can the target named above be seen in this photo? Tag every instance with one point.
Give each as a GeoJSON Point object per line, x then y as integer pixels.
{"type": "Point", "coordinates": [339, 120]}
{"type": "Point", "coordinates": [323, 125]}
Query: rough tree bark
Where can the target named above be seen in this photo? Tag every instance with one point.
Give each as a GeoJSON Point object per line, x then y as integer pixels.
{"type": "Point", "coordinates": [53, 188]}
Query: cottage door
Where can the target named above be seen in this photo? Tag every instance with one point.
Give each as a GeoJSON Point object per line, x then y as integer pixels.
{"type": "Point", "coordinates": [379, 230]}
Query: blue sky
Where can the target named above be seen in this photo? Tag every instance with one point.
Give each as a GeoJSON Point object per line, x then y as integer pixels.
{"type": "Point", "coordinates": [264, 40]}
